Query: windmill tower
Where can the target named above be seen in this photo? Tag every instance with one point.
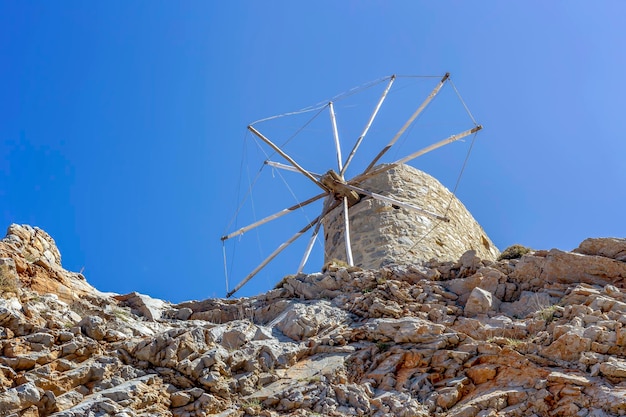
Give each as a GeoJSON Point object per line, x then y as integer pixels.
{"type": "Point", "coordinates": [383, 232]}
{"type": "Point", "coordinates": [388, 213]}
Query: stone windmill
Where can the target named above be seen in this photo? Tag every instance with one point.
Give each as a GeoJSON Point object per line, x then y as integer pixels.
{"type": "Point", "coordinates": [388, 213]}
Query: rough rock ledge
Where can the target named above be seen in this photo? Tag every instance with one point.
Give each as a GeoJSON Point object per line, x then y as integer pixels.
{"type": "Point", "coordinates": [542, 335]}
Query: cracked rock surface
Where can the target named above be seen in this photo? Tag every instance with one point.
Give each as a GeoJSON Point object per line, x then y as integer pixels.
{"type": "Point", "coordinates": [542, 335]}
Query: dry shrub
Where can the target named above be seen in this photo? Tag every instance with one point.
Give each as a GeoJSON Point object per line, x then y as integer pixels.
{"type": "Point", "coordinates": [8, 281]}
{"type": "Point", "coordinates": [514, 252]}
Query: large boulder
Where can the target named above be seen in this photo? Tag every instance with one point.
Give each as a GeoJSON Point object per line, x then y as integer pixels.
{"type": "Point", "coordinates": [556, 266]}
{"type": "Point", "coordinates": [608, 247]}
{"type": "Point", "coordinates": [480, 302]}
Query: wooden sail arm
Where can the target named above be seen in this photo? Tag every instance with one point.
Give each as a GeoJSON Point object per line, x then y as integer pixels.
{"type": "Point", "coordinates": [309, 247]}
{"type": "Point", "coordinates": [439, 144]}
{"type": "Point", "coordinates": [287, 157]}
{"type": "Point", "coordinates": [272, 256]}
{"type": "Point", "coordinates": [333, 120]}
{"type": "Point", "coordinates": [273, 216]}
{"type": "Point", "coordinates": [346, 232]}
{"type": "Point", "coordinates": [399, 203]}
{"type": "Point", "coordinates": [410, 121]}
{"type": "Point", "coordinates": [368, 125]}
{"type": "Point", "coordinates": [412, 156]}
{"type": "Point", "coordinates": [328, 207]}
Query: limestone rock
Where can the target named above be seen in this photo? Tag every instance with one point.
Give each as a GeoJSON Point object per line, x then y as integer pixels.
{"type": "Point", "coordinates": [482, 373]}
{"type": "Point", "coordinates": [557, 266]}
{"type": "Point", "coordinates": [144, 305]}
{"type": "Point", "coordinates": [463, 286]}
{"type": "Point", "coordinates": [19, 398]}
{"type": "Point", "coordinates": [615, 368]}
{"type": "Point", "coordinates": [405, 330]}
{"type": "Point", "coordinates": [403, 340]}
{"type": "Point", "coordinates": [567, 347]}
{"type": "Point", "coordinates": [528, 303]}
{"type": "Point", "coordinates": [480, 302]}
{"type": "Point", "coordinates": [302, 321]}
{"type": "Point", "coordinates": [238, 334]}
{"type": "Point", "coordinates": [93, 326]}
{"type": "Point", "coordinates": [608, 247]}
{"type": "Point", "coordinates": [38, 263]}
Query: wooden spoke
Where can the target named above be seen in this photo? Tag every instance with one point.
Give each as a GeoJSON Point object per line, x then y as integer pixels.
{"type": "Point", "coordinates": [368, 125]}
{"type": "Point", "coordinates": [410, 121]}
{"type": "Point", "coordinates": [333, 121]}
{"type": "Point", "coordinates": [346, 232]}
{"type": "Point", "coordinates": [309, 247]}
{"type": "Point", "coordinates": [272, 256]}
{"type": "Point", "coordinates": [437, 145]}
{"type": "Point", "coordinates": [327, 209]}
{"type": "Point", "coordinates": [288, 158]}
{"type": "Point", "coordinates": [449, 139]}
{"type": "Point", "coordinates": [273, 216]}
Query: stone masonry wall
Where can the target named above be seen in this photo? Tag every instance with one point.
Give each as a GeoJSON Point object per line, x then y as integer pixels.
{"type": "Point", "coordinates": [382, 234]}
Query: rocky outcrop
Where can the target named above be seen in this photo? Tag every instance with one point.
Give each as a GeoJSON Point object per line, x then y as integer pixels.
{"type": "Point", "coordinates": [608, 247]}
{"type": "Point", "coordinates": [33, 254]}
{"type": "Point", "coordinates": [541, 335]}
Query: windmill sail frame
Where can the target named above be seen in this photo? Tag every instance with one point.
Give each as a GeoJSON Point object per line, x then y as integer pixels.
{"type": "Point", "coordinates": [339, 192]}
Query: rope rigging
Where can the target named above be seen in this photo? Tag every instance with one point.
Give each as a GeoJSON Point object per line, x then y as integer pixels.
{"type": "Point", "coordinates": [452, 197]}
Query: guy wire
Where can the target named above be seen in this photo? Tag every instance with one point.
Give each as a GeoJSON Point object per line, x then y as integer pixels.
{"type": "Point", "coordinates": [458, 180]}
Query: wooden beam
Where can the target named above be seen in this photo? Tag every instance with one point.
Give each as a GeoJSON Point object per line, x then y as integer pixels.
{"type": "Point", "coordinates": [346, 232]}
{"type": "Point", "coordinates": [287, 157]}
{"type": "Point", "coordinates": [380, 170]}
{"type": "Point", "coordinates": [273, 216]}
{"type": "Point", "coordinates": [329, 205]}
{"type": "Point", "coordinates": [410, 121]}
{"type": "Point", "coordinates": [368, 125]}
{"type": "Point", "coordinates": [333, 121]}
{"type": "Point", "coordinates": [272, 256]}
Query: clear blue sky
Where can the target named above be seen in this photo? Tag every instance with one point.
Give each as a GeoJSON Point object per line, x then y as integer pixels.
{"type": "Point", "coordinates": [122, 124]}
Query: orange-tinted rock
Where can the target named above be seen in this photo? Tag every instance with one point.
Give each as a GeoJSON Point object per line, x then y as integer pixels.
{"type": "Point", "coordinates": [482, 373]}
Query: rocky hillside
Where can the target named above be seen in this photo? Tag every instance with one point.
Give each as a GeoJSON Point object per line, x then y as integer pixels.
{"type": "Point", "coordinates": [542, 335]}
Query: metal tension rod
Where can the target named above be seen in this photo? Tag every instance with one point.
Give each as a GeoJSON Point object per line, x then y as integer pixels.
{"type": "Point", "coordinates": [410, 121]}
{"type": "Point", "coordinates": [288, 158]}
{"type": "Point", "coordinates": [327, 209]}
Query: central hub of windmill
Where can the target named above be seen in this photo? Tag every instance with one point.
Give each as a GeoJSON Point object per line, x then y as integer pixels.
{"type": "Point", "coordinates": [337, 186]}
